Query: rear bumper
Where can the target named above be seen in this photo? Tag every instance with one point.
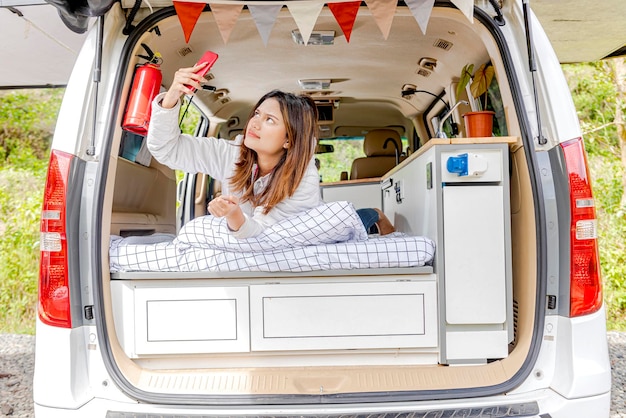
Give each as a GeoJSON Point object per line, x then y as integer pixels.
{"type": "Point", "coordinates": [532, 404]}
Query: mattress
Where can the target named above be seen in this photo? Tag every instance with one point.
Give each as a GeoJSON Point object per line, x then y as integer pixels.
{"type": "Point", "coordinates": [329, 237]}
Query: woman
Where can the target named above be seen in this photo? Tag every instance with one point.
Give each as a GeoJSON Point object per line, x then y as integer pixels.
{"type": "Point", "coordinates": [267, 174]}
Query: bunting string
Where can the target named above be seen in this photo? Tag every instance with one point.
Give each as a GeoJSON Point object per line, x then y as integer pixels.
{"type": "Point", "coordinates": [305, 14]}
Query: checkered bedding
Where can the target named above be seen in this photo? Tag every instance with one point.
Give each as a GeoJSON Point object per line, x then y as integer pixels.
{"type": "Point", "coordinates": [328, 237]}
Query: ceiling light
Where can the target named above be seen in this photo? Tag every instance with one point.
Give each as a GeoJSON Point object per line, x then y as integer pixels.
{"type": "Point", "coordinates": [314, 84]}
{"type": "Point", "coordinates": [318, 37]}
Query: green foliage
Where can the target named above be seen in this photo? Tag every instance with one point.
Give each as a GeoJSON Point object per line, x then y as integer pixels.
{"type": "Point", "coordinates": [346, 151]}
{"type": "Point", "coordinates": [464, 79]}
{"type": "Point", "coordinates": [480, 81]}
{"type": "Point", "coordinates": [613, 260]}
{"type": "Point", "coordinates": [27, 118]}
{"type": "Point", "coordinates": [594, 93]}
{"type": "Point", "coordinates": [26, 123]}
{"type": "Point", "coordinates": [189, 116]}
{"type": "Point", "coordinates": [606, 174]}
{"type": "Point", "coordinates": [21, 191]}
{"type": "Point", "coordinates": [332, 164]}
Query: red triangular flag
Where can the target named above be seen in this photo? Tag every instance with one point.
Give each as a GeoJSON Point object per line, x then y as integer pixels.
{"type": "Point", "coordinates": [345, 15]}
{"type": "Point", "coordinates": [188, 14]}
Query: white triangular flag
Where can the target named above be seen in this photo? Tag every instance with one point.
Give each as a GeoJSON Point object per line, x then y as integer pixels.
{"type": "Point", "coordinates": [264, 18]}
{"type": "Point", "coordinates": [467, 7]}
{"type": "Point", "coordinates": [305, 14]}
{"type": "Point", "coordinates": [421, 10]}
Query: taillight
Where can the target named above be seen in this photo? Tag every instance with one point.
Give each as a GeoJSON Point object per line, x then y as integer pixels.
{"type": "Point", "coordinates": [585, 279]}
{"type": "Point", "coordinates": [54, 292]}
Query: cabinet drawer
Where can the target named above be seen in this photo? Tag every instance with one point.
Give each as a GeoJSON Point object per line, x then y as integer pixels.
{"type": "Point", "coordinates": [343, 315]}
{"type": "Point", "coordinates": [191, 320]}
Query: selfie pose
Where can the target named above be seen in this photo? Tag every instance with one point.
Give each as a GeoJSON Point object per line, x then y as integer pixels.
{"type": "Point", "coordinates": [267, 174]}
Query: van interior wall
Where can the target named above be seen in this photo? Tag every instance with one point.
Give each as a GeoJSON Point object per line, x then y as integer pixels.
{"type": "Point", "coordinates": [524, 253]}
{"type": "Point", "coordinates": [140, 370]}
{"type": "Point", "coordinates": [144, 200]}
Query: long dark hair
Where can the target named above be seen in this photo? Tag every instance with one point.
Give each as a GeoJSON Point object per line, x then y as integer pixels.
{"type": "Point", "coordinates": [300, 116]}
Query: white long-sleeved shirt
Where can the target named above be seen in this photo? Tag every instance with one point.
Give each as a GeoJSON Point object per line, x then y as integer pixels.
{"type": "Point", "coordinates": [217, 157]}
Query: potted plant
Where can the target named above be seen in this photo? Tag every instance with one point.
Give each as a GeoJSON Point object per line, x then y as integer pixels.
{"type": "Point", "coordinates": [478, 123]}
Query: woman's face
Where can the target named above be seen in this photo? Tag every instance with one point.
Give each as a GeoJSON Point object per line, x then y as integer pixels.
{"type": "Point", "coordinates": [266, 133]}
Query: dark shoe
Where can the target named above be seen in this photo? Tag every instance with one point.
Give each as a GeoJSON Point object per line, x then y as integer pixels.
{"type": "Point", "coordinates": [383, 224]}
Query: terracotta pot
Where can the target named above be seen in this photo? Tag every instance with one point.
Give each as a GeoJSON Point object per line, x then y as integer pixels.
{"type": "Point", "coordinates": [479, 124]}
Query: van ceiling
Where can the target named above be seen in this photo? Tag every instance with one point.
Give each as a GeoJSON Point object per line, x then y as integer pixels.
{"type": "Point", "coordinates": [42, 51]}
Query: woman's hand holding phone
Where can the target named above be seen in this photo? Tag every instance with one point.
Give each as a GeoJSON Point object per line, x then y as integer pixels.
{"type": "Point", "coordinates": [188, 80]}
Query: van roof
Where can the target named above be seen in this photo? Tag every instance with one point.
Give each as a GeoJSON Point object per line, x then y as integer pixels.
{"type": "Point", "coordinates": [43, 50]}
{"type": "Point", "coordinates": [37, 49]}
{"type": "Point", "coordinates": [583, 30]}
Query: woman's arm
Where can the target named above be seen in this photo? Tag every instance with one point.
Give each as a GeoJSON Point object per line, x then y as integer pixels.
{"type": "Point", "coordinates": [306, 196]}
{"type": "Point", "coordinates": [186, 81]}
{"type": "Point", "coordinates": [190, 154]}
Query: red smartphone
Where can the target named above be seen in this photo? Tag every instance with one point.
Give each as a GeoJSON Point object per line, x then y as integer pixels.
{"type": "Point", "coordinates": [209, 57]}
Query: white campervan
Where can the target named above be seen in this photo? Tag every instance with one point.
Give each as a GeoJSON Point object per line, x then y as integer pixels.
{"type": "Point", "coordinates": [485, 302]}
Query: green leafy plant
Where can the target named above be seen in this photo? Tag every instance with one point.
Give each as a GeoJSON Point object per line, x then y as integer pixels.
{"type": "Point", "coordinates": [27, 120]}
{"type": "Point", "coordinates": [480, 81]}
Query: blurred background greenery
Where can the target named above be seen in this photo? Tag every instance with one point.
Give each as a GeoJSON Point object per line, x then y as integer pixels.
{"type": "Point", "coordinates": [27, 119]}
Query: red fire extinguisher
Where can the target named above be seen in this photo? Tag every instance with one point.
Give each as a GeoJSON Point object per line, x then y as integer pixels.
{"type": "Point", "coordinates": [146, 85]}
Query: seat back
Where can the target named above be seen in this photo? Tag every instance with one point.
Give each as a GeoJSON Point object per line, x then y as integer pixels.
{"type": "Point", "coordinates": [380, 154]}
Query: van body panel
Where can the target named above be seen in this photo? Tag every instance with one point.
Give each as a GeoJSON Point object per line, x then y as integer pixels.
{"type": "Point", "coordinates": [583, 361]}
{"type": "Point", "coordinates": [69, 136]}
{"type": "Point", "coordinates": [562, 121]}
{"type": "Point", "coordinates": [67, 361]}
{"type": "Point", "coordinates": [473, 329]}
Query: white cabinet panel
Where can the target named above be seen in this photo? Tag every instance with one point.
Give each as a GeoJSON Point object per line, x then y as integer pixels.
{"type": "Point", "coordinates": [478, 345]}
{"type": "Point", "coordinates": [464, 206]}
{"type": "Point", "coordinates": [474, 249]}
{"type": "Point", "coordinates": [191, 320]}
{"type": "Point", "coordinates": [343, 316]}
{"type": "Point", "coordinates": [168, 319]}
{"type": "Point", "coordinates": [361, 194]}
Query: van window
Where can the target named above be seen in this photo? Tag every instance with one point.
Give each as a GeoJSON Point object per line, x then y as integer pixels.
{"type": "Point", "coordinates": [346, 150]}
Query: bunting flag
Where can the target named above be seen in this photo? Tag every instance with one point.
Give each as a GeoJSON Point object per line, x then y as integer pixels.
{"type": "Point", "coordinates": [188, 14]}
{"type": "Point", "coordinates": [305, 14]}
{"type": "Point", "coordinates": [226, 16]}
{"type": "Point", "coordinates": [345, 15]}
{"type": "Point", "coordinates": [383, 12]}
{"type": "Point", "coordinates": [264, 18]}
{"type": "Point", "coordinates": [421, 12]}
{"type": "Point", "coordinates": [465, 6]}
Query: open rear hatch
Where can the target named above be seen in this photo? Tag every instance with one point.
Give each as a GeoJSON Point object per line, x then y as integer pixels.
{"type": "Point", "coordinates": [443, 330]}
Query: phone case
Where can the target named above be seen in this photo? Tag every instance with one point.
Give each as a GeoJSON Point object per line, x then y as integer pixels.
{"type": "Point", "coordinates": [209, 57]}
